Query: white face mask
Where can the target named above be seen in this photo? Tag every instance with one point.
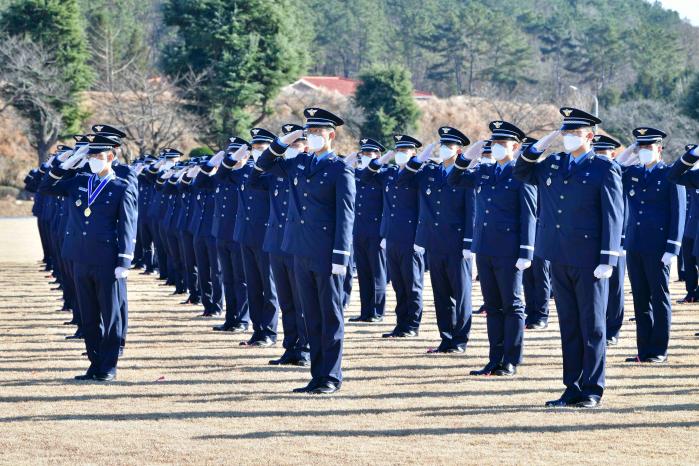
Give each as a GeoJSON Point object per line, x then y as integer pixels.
{"type": "Point", "coordinates": [646, 156]}
{"type": "Point", "coordinates": [499, 151]}
{"type": "Point", "coordinates": [97, 165]}
{"type": "Point", "coordinates": [402, 158]}
{"type": "Point", "coordinates": [445, 153]}
{"type": "Point", "coordinates": [364, 162]}
{"type": "Point", "coordinates": [315, 142]}
{"type": "Point", "coordinates": [487, 160]}
{"type": "Point", "coordinates": [572, 142]}
{"type": "Point", "coordinates": [291, 153]}
{"type": "Point", "coordinates": [256, 154]}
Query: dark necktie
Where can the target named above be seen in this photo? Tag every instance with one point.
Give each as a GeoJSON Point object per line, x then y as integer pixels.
{"type": "Point", "coordinates": [498, 171]}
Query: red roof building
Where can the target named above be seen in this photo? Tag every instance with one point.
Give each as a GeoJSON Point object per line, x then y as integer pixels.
{"type": "Point", "coordinates": [344, 86]}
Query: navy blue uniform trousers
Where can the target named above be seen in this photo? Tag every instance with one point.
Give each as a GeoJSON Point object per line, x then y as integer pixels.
{"type": "Point", "coordinates": [189, 261]}
{"type": "Point", "coordinates": [615, 304]}
{"type": "Point", "coordinates": [100, 296]}
{"type": "Point", "coordinates": [650, 287]}
{"type": "Point", "coordinates": [147, 244]}
{"type": "Point", "coordinates": [581, 303]}
{"type": "Point", "coordinates": [537, 290]}
{"type": "Point", "coordinates": [691, 279]}
{"type": "Point", "coordinates": [235, 289]}
{"type": "Point", "coordinates": [209, 271]}
{"type": "Point", "coordinates": [321, 295]}
{"type": "Point", "coordinates": [262, 294]}
{"type": "Point", "coordinates": [450, 276]}
{"type": "Point", "coordinates": [501, 284]}
{"type": "Point", "coordinates": [407, 275]}
{"type": "Point", "coordinates": [371, 271]}
{"type": "Point", "coordinates": [294, 323]}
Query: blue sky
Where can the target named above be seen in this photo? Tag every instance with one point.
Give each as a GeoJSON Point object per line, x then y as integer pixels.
{"type": "Point", "coordinates": [688, 9]}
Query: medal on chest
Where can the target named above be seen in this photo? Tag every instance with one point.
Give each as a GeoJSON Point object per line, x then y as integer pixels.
{"type": "Point", "coordinates": [93, 192]}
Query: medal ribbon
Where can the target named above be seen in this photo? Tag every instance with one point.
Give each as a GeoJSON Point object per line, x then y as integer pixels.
{"type": "Point", "coordinates": [92, 194]}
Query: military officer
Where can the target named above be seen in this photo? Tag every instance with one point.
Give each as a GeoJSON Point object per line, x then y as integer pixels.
{"type": "Point", "coordinates": [369, 255]}
{"type": "Point", "coordinates": [536, 279]}
{"type": "Point", "coordinates": [657, 208]}
{"type": "Point", "coordinates": [250, 226]}
{"type": "Point", "coordinates": [398, 229]}
{"type": "Point", "coordinates": [101, 247]}
{"type": "Point", "coordinates": [604, 146]}
{"type": "Point", "coordinates": [319, 236]}
{"type": "Point", "coordinates": [229, 250]}
{"type": "Point", "coordinates": [445, 225]}
{"type": "Point", "coordinates": [579, 232]}
{"type": "Point", "coordinates": [690, 248]}
{"type": "Point", "coordinates": [296, 350]}
{"type": "Point", "coordinates": [503, 241]}
{"type": "Point", "coordinates": [186, 238]}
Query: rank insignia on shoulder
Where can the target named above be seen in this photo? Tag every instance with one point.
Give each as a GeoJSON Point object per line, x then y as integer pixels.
{"type": "Point", "coordinates": [82, 189]}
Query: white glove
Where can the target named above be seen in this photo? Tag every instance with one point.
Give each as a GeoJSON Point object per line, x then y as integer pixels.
{"type": "Point", "coordinates": [216, 160]}
{"type": "Point", "coordinates": [425, 155]}
{"type": "Point", "coordinates": [544, 143]}
{"type": "Point", "coordinates": [241, 153]}
{"type": "Point", "coordinates": [73, 160]}
{"type": "Point", "coordinates": [350, 159]}
{"type": "Point", "coordinates": [603, 271]}
{"type": "Point", "coordinates": [626, 155]}
{"type": "Point", "coordinates": [139, 169]}
{"type": "Point", "coordinates": [523, 264]}
{"type": "Point", "coordinates": [121, 272]}
{"type": "Point", "coordinates": [382, 244]}
{"type": "Point", "coordinates": [467, 254]}
{"type": "Point", "coordinates": [50, 160]}
{"type": "Point", "coordinates": [291, 137]}
{"type": "Point", "coordinates": [339, 269]}
{"type": "Point", "coordinates": [385, 158]}
{"type": "Point", "coordinates": [193, 171]}
{"type": "Point", "coordinates": [418, 249]}
{"type": "Point", "coordinates": [667, 258]}
{"type": "Point", "coordinates": [474, 150]}
{"type": "Point", "coordinates": [167, 174]}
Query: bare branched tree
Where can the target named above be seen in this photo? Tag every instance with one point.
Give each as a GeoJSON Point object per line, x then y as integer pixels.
{"type": "Point", "coordinates": [31, 83]}
{"type": "Point", "coordinates": [151, 109]}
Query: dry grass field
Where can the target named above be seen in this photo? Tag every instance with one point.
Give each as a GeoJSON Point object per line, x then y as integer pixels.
{"type": "Point", "coordinates": [186, 394]}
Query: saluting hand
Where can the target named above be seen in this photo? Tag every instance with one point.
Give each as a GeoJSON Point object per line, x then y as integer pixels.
{"type": "Point", "coordinates": [474, 150]}
{"type": "Point", "coordinates": [291, 137]}
{"type": "Point", "coordinates": [385, 158]}
{"type": "Point", "coordinates": [627, 156]}
{"type": "Point", "coordinates": [216, 160]}
{"type": "Point", "coordinates": [350, 159]}
{"type": "Point", "coordinates": [193, 171]}
{"type": "Point", "coordinates": [425, 155]}
{"type": "Point", "coordinates": [75, 158]}
{"type": "Point", "coordinates": [544, 143]}
{"type": "Point", "coordinates": [240, 154]}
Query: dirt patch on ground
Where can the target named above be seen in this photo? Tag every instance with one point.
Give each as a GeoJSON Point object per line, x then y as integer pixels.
{"type": "Point", "coordinates": [186, 394]}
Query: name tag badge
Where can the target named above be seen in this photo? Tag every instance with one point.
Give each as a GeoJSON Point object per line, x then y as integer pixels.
{"type": "Point", "coordinates": [555, 167]}
{"type": "Point", "coordinates": [431, 178]}
{"type": "Point", "coordinates": [301, 167]}
{"type": "Point", "coordinates": [485, 177]}
{"type": "Point", "coordinates": [82, 189]}
{"type": "Point", "coordinates": [634, 179]}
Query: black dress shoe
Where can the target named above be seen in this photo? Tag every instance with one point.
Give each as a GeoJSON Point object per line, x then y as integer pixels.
{"type": "Point", "coordinates": [147, 272]}
{"type": "Point", "coordinates": [633, 359]}
{"type": "Point", "coordinates": [455, 349]}
{"type": "Point", "coordinates": [221, 328]}
{"type": "Point", "coordinates": [687, 299]}
{"type": "Point", "coordinates": [70, 322]}
{"type": "Point", "coordinates": [537, 325]}
{"type": "Point", "coordinates": [325, 388]}
{"type": "Point", "coordinates": [481, 310]}
{"type": "Point", "coordinates": [311, 386]}
{"type": "Point", "coordinates": [366, 319]}
{"type": "Point", "coordinates": [105, 377]}
{"type": "Point", "coordinates": [406, 334]}
{"type": "Point", "coordinates": [505, 370]}
{"type": "Point", "coordinates": [389, 335]}
{"type": "Point", "coordinates": [613, 341]}
{"type": "Point", "coordinates": [85, 376]}
{"type": "Point", "coordinates": [76, 336]}
{"type": "Point", "coordinates": [487, 370]}
{"type": "Point", "coordinates": [285, 359]}
{"type": "Point", "coordinates": [264, 343]}
{"type": "Point", "coordinates": [633, 319]}
{"type": "Point", "coordinates": [301, 363]}
{"type": "Point", "coordinates": [560, 403]}
{"type": "Point", "coordinates": [696, 334]}
{"type": "Point", "coordinates": [587, 403]}
{"type": "Point", "coordinates": [655, 360]}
